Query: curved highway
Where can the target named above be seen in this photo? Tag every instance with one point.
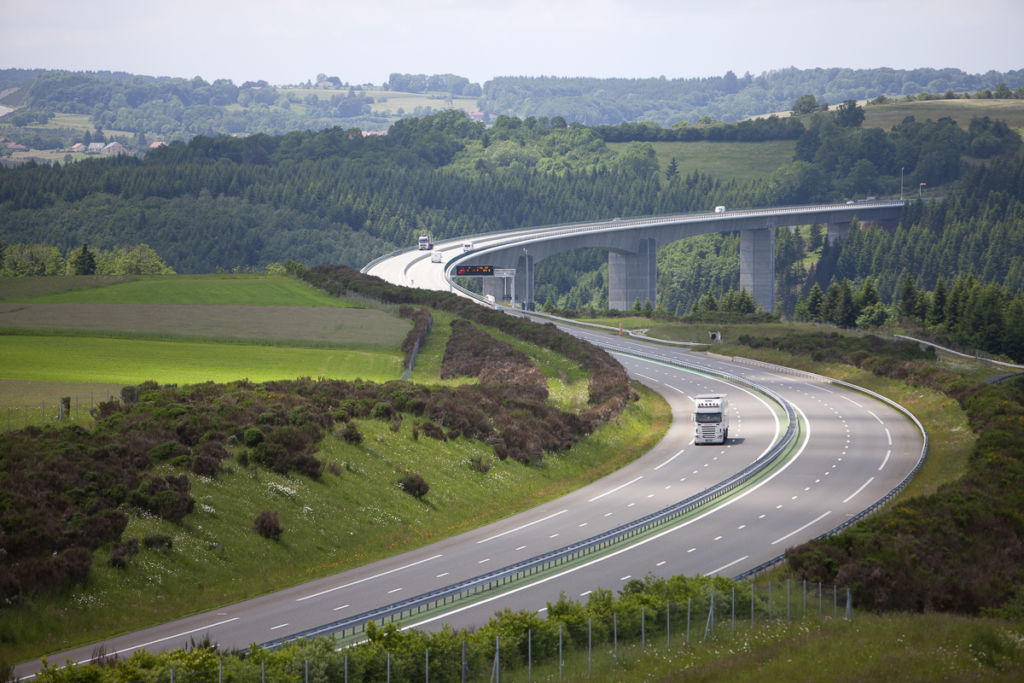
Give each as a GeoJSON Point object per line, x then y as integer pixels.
{"type": "Point", "coordinates": [856, 450]}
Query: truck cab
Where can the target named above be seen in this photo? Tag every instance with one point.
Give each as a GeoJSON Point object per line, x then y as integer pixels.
{"type": "Point", "coordinates": [711, 419]}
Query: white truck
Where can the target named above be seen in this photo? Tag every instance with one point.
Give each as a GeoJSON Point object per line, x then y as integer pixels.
{"type": "Point", "coordinates": [426, 242]}
{"type": "Point", "coordinates": [711, 418]}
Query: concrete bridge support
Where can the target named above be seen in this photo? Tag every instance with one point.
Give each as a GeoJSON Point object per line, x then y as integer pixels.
{"type": "Point", "coordinates": [633, 275]}
{"type": "Point", "coordinates": [495, 286]}
{"type": "Point", "coordinates": [523, 287]}
{"type": "Point", "coordinates": [757, 266]}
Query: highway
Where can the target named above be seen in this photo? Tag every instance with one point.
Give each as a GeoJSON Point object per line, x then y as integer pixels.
{"type": "Point", "coordinates": [856, 450]}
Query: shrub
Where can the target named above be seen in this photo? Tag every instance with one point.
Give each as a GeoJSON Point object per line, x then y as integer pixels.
{"type": "Point", "coordinates": [381, 411]}
{"type": "Point", "coordinates": [267, 525]}
{"type": "Point", "coordinates": [414, 485]}
{"type": "Point", "coordinates": [120, 553]}
{"type": "Point", "coordinates": [351, 433]}
{"type": "Point", "coordinates": [158, 541]}
{"type": "Point", "coordinates": [252, 437]}
{"type": "Point", "coordinates": [479, 463]}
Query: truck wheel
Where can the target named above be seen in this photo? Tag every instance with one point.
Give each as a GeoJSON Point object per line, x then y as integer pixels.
{"type": "Point", "coordinates": [725, 436]}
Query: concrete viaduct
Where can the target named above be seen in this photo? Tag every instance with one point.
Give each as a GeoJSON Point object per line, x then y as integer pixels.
{"type": "Point", "coordinates": [632, 246]}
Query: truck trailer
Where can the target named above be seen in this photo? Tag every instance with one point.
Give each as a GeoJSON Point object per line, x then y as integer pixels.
{"type": "Point", "coordinates": [711, 419]}
{"type": "Point", "coordinates": [426, 242]}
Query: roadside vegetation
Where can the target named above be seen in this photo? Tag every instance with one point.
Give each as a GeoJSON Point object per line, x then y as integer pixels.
{"type": "Point", "coordinates": [304, 477]}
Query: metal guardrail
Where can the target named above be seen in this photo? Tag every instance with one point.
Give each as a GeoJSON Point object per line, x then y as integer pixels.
{"type": "Point", "coordinates": [495, 580]}
{"type": "Point", "coordinates": [895, 491]}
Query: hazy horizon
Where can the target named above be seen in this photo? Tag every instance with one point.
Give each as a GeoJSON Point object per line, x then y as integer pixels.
{"type": "Point", "coordinates": [290, 43]}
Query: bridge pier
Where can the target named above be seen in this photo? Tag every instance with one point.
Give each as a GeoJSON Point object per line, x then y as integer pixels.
{"type": "Point", "coordinates": [633, 275]}
{"type": "Point", "coordinates": [523, 287]}
{"type": "Point", "coordinates": [757, 266]}
{"type": "Point", "coordinates": [494, 286]}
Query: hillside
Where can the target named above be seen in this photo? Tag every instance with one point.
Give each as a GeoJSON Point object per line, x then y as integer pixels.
{"type": "Point", "coordinates": [144, 510]}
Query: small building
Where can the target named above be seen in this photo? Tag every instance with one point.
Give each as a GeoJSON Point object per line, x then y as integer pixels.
{"type": "Point", "coordinates": [95, 148]}
{"type": "Point", "coordinates": [116, 148]}
{"type": "Point", "coordinates": [78, 147]}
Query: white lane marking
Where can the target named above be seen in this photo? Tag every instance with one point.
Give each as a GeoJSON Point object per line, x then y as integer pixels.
{"type": "Point", "coordinates": [670, 459]}
{"type": "Point", "coordinates": [691, 550]}
{"type": "Point", "coordinates": [584, 524]}
{"type": "Point", "coordinates": [876, 417]}
{"type": "Point", "coordinates": [542, 609]}
{"type": "Point", "coordinates": [520, 547]}
{"type": "Point", "coordinates": [339, 608]}
{"type": "Point", "coordinates": [160, 640]}
{"type": "Point", "coordinates": [796, 531]}
{"type": "Point", "coordinates": [486, 559]}
{"type": "Point", "coordinates": [626, 577]}
{"type": "Point", "coordinates": [862, 487]}
{"type": "Point", "coordinates": [885, 460]}
{"type": "Point", "coordinates": [742, 526]}
{"type": "Point", "coordinates": [851, 401]}
{"type": "Point", "coordinates": [394, 590]}
{"type": "Point", "coordinates": [656, 381]}
{"type": "Point", "coordinates": [274, 628]}
{"type": "Point", "coordinates": [718, 538]}
{"type": "Point", "coordinates": [648, 539]}
{"type": "Point", "coordinates": [621, 486]}
{"type": "Point", "coordinates": [520, 528]}
{"type": "Point", "coordinates": [888, 435]}
{"type": "Point", "coordinates": [368, 578]}
{"type": "Point", "coordinates": [726, 566]}
{"type": "Point", "coordinates": [585, 593]}
{"type": "Point", "coordinates": [608, 514]}
{"type": "Point", "coordinates": [442, 574]}
{"type": "Point", "coordinates": [554, 535]}
{"type": "Point", "coordinates": [631, 505]}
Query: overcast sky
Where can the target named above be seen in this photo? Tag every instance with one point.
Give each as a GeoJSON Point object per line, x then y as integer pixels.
{"type": "Point", "coordinates": [291, 41]}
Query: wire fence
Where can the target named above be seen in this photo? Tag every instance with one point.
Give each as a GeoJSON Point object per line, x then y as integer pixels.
{"type": "Point", "coordinates": [606, 638]}
{"type": "Point", "coordinates": [62, 410]}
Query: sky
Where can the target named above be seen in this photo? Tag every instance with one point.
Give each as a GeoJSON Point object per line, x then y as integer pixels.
{"type": "Point", "coordinates": [292, 41]}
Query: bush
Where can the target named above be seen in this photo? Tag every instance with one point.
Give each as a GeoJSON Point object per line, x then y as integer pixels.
{"type": "Point", "coordinates": [351, 433]}
{"type": "Point", "coordinates": [120, 553]}
{"type": "Point", "coordinates": [158, 541]}
{"type": "Point", "coordinates": [267, 525]}
{"type": "Point", "coordinates": [252, 437]}
{"type": "Point", "coordinates": [414, 485]}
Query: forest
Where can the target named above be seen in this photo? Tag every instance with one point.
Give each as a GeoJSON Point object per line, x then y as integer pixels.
{"type": "Point", "coordinates": [146, 108]}
{"type": "Point", "coordinates": [338, 197]}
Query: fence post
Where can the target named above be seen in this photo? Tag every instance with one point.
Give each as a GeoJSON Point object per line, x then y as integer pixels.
{"type": "Point", "coordinates": [426, 672]}
{"type": "Point", "coordinates": [529, 655]}
{"type": "Point", "coordinates": [668, 625]}
{"type": "Point", "coordinates": [787, 599]}
{"type": "Point", "coordinates": [835, 601]}
{"type": "Point", "coordinates": [590, 641]}
{"type": "Point", "coordinates": [559, 653]}
{"type": "Point", "coordinates": [464, 672]}
{"type": "Point", "coordinates": [346, 667]}
{"type": "Point", "coordinates": [751, 604]}
{"type": "Point", "coordinates": [689, 602]}
{"type": "Point", "coordinates": [643, 628]}
{"type": "Point", "coordinates": [615, 635]}
{"type": "Point", "coordinates": [710, 624]}
{"type": "Point", "coordinates": [849, 604]}
{"type": "Point", "coordinates": [307, 670]}
{"type": "Point", "coordinates": [732, 604]}
{"type": "Point", "coordinates": [805, 599]}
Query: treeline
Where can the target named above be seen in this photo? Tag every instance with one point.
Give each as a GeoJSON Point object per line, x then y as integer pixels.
{"type": "Point", "coordinates": [24, 260]}
{"type": "Point", "coordinates": [959, 549]}
{"type": "Point", "coordinates": [611, 101]}
{"type": "Point", "coordinates": [334, 196]}
{"type": "Point", "coordinates": [439, 83]}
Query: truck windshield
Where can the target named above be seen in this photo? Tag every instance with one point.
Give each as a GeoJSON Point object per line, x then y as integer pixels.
{"type": "Point", "coordinates": [709, 417]}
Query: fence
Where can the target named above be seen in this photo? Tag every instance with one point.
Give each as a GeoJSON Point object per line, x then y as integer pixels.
{"type": "Point", "coordinates": [65, 409]}
{"type": "Point", "coordinates": [604, 639]}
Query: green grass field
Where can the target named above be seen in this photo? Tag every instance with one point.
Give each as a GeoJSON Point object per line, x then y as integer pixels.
{"type": "Point", "coordinates": [743, 161]}
{"type": "Point", "coordinates": [220, 289]}
{"type": "Point", "coordinates": [130, 361]}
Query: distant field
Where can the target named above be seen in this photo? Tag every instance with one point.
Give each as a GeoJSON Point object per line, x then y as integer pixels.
{"type": "Point", "coordinates": [740, 160]}
{"type": "Point", "coordinates": [962, 111]}
{"type": "Point", "coordinates": [239, 290]}
{"type": "Point", "coordinates": [388, 101]}
{"type": "Point", "coordinates": [130, 361]}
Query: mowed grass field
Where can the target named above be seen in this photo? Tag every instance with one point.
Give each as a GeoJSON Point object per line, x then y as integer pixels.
{"type": "Point", "coordinates": [743, 161]}
{"type": "Point", "coordinates": [61, 337]}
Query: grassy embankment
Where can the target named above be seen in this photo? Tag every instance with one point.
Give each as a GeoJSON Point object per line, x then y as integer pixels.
{"type": "Point", "coordinates": [352, 515]}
